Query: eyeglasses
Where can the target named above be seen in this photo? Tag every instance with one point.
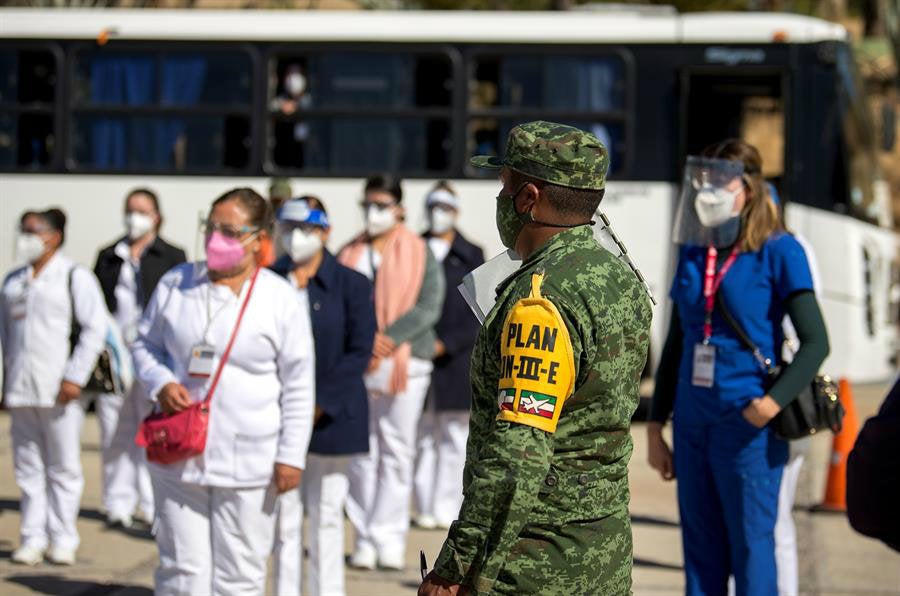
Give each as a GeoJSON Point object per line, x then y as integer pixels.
{"type": "Point", "coordinates": [227, 230]}
{"type": "Point", "coordinates": [33, 230]}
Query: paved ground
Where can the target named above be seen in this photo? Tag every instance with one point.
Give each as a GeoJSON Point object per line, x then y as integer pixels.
{"type": "Point", "coordinates": [834, 560]}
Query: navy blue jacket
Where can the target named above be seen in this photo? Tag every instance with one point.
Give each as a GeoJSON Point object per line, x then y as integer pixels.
{"type": "Point", "coordinates": [342, 309]}
{"type": "Point", "coordinates": [457, 329]}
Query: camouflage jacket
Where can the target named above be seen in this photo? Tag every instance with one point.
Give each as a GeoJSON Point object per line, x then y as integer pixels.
{"type": "Point", "coordinates": [555, 375]}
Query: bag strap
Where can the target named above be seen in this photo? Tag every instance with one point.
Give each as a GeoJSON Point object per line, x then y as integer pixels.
{"type": "Point", "coordinates": [234, 333]}
{"type": "Point", "coordinates": [74, 325]}
{"type": "Point", "coordinates": [764, 362]}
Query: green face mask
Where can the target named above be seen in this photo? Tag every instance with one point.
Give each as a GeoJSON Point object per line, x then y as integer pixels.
{"type": "Point", "coordinates": [509, 222]}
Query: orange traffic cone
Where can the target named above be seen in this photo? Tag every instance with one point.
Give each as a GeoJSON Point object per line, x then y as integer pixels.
{"type": "Point", "coordinates": [836, 486]}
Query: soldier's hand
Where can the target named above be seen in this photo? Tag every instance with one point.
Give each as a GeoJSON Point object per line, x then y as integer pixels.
{"type": "Point", "coordinates": [435, 585]}
{"type": "Point", "coordinates": [658, 453]}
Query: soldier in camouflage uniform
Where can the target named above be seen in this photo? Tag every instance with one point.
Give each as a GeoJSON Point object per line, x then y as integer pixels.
{"type": "Point", "coordinates": [555, 376]}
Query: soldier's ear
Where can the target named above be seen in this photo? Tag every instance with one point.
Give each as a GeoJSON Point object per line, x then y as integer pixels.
{"type": "Point", "coordinates": [530, 195]}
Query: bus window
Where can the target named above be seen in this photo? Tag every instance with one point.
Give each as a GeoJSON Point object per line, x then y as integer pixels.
{"type": "Point", "coordinates": [161, 111]}
{"type": "Point", "coordinates": [349, 112]}
{"type": "Point", "coordinates": [27, 97]}
{"type": "Point", "coordinates": [584, 91]}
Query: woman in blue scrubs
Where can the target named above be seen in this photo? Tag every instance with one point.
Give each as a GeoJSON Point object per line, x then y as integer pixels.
{"type": "Point", "coordinates": [729, 464]}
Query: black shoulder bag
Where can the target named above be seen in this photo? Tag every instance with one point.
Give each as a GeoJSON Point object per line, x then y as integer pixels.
{"type": "Point", "coordinates": [817, 407]}
{"type": "Point", "coordinates": [102, 379]}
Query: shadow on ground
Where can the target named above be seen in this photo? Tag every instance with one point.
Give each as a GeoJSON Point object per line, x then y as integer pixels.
{"type": "Point", "coordinates": [61, 586]}
{"type": "Point", "coordinates": [139, 530]}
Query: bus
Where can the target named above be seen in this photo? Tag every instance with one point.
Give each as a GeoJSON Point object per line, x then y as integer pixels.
{"type": "Point", "coordinates": [95, 102]}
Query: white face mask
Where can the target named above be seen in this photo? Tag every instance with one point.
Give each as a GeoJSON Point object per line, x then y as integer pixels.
{"type": "Point", "coordinates": [715, 206]}
{"type": "Point", "coordinates": [29, 248]}
{"type": "Point", "coordinates": [301, 246]}
{"type": "Point", "coordinates": [138, 225]}
{"type": "Point", "coordinates": [295, 83]}
{"type": "Point", "coordinates": [441, 221]}
{"type": "Point", "coordinates": [379, 221]}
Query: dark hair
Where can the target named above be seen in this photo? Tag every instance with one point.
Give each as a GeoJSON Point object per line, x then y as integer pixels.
{"type": "Point", "coordinates": [257, 207]}
{"type": "Point", "coordinates": [153, 199]}
{"type": "Point", "coordinates": [314, 202]}
{"type": "Point", "coordinates": [579, 202]}
{"type": "Point", "coordinates": [385, 183]}
{"type": "Point", "coordinates": [54, 217]}
{"type": "Point", "coordinates": [443, 185]}
{"type": "Point", "coordinates": [761, 217]}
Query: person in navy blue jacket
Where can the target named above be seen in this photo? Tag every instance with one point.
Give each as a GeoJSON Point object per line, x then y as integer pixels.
{"type": "Point", "coordinates": [342, 311]}
{"type": "Point", "coordinates": [444, 427]}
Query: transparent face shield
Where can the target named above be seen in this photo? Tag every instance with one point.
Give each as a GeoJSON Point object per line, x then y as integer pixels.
{"type": "Point", "coordinates": [709, 209]}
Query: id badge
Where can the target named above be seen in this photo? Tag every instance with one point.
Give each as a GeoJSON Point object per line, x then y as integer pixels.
{"type": "Point", "coordinates": [202, 356]}
{"type": "Point", "coordinates": [704, 365]}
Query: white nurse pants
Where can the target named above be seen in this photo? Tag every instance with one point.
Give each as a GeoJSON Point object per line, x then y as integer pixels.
{"type": "Point", "coordinates": [212, 540]}
{"type": "Point", "coordinates": [126, 479]}
{"type": "Point", "coordinates": [440, 463]}
{"type": "Point", "coordinates": [324, 489]}
{"type": "Point", "coordinates": [46, 446]}
{"type": "Point", "coordinates": [381, 481]}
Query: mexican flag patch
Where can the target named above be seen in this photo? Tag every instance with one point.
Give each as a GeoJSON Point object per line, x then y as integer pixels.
{"type": "Point", "coordinates": [505, 399]}
{"type": "Point", "coordinates": [537, 404]}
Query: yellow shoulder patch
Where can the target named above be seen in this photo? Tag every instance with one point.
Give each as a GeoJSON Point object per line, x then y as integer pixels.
{"type": "Point", "coordinates": [537, 368]}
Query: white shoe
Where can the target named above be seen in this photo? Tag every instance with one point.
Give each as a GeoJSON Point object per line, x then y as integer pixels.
{"type": "Point", "coordinates": [391, 561]}
{"type": "Point", "coordinates": [27, 555]}
{"type": "Point", "coordinates": [443, 524]}
{"type": "Point", "coordinates": [426, 522]}
{"type": "Point", "coordinates": [61, 556]}
{"type": "Point", "coordinates": [123, 520]}
{"type": "Point", "coordinates": [364, 557]}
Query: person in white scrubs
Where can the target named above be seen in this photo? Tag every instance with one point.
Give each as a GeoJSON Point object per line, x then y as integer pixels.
{"type": "Point", "coordinates": [46, 362]}
{"type": "Point", "coordinates": [444, 427]}
{"type": "Point", "coordinates": [343, 323]}
{"type": "Point", "coordinates": [409, 293]}
{"type": "Point", "coordinates": [216, 512]}
{"type": "Point", "coordinates": [128, 271]}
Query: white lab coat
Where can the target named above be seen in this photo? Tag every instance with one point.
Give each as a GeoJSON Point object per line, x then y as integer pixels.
{"type": "Point", "coordinates": [262, 409]}
{"type": "Point", "coordinates": [35, 324]}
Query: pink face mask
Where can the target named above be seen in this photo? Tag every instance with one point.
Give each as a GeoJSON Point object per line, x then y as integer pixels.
{"type": "Point", "coordinates": [222, 253]}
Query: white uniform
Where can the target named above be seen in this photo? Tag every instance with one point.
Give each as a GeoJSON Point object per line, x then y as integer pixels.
{"type": "Point", "coordinates": [35, 324]}
{"type": "Point", "coordinates": [126, 480]}
{"type": "Point", "coordinates": [381, 481]}
{"type": "Point", "coordinates": [441, 449]}
{"type": "Point", "coordinates": [222, 501]}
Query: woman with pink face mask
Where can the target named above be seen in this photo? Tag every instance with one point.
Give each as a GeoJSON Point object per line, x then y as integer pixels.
{"type": "Point", "coordinates": [224, 500]}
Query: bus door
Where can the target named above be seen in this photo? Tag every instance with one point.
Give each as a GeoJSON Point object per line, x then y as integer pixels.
{"type": "Point", "coordinates": [747, 103]}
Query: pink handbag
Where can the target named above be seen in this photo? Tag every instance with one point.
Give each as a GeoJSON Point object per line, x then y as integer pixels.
{"type": "Point", "coordinates": [170, 438]}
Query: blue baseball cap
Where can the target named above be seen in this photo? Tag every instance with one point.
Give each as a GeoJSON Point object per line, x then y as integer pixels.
{"type": "Point", "coordinates": [299, 211]}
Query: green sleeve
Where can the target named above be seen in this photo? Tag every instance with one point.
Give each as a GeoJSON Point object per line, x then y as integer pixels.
{"type": "Point", "coordinates": [805, 314]}
{"type": "Point", "coordinates": [427, 311]}
{"type": "Point", "coordinates": [505, 480]}
{"type": "Point", "coordinates": [663, 401]}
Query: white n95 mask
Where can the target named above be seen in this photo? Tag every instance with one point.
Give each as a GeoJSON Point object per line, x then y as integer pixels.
{"type": "Point", "coordinates": [138, 225]}
{"type": "Point", "coordinates": [379, 221]}
{"type": "Point", "coordinates": [29, 248]}
{"type": "Point", "coordinates": [301, 246]}
{"type": "Point", "coordinates": [441, 221]}
{"type": "Point", "coordinates": [715, 206]}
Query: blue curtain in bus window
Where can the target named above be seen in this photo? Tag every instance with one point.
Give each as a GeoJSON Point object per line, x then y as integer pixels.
{"type": "Point", "coordinates": [365, 144]}
{"type": "Point", "coordinates": [183, 79]}
{"type": "Point", "coordinates": [120, 80]}
{"type": "Point", "coordinates": [120, 142]}
{"type": "Point", "coordinates": [584, 84]}
{"type": "Point", "coordinates": [362, 80]}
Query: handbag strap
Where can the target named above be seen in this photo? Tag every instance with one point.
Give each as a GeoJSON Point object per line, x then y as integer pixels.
{"type": "Point", "coordinates": [234, 333]}
{"type": "Point", "coordinates": [764, 362]}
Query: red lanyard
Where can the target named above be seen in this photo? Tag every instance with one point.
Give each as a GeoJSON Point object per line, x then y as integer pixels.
{"type": "Point", "coordinates": [711, 283]}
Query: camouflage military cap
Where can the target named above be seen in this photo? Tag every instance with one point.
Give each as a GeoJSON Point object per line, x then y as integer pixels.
{"type": "Point", "coordinates": [555, 153]}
